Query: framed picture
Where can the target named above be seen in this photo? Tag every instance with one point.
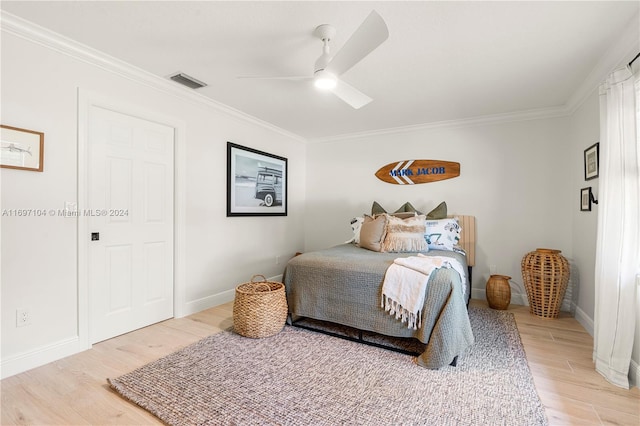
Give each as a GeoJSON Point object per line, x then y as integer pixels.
{"type": "Point", "coordinates": [585, 199]}
{"type": "Point", "coordinates": [592, 161]}
{"type": "Point", "coordinates": [256, 182]}
{"type": "Point", "coordinates": [21, 149]}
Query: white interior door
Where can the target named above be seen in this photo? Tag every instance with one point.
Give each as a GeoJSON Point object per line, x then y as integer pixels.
{"type": "Point", "coordinates": [130, 218]}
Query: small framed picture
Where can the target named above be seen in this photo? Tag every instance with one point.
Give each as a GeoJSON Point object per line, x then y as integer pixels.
{"type": "Point", "coordinates": [21, 149]}
{"type": "Point", "coordinates": [592, 161]}
{"type": "Point", "coordinates": [585, 199]}
{"type": "Point", "coordinates": [256, 182]}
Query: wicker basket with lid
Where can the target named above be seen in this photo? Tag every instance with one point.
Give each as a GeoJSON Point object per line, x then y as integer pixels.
{"type": "Point", "coordinates": [259, 308]}
{"type": "Point", "coordinates": [546, 274]}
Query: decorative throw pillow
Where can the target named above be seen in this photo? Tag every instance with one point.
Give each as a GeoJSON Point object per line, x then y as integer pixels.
{"type": "Point", "coordinates": [440, 212]}
{"type": "Point", "coordinates": [407, 208]}
{"type": "Point", "coordinates": [442, 234]}
{"type": "Point", "coordinates": [405, 235]}
{"type": "Point", "coordinates": [377, 209]}
{"type": "Point", "coordinates": [356, 225]}
{"type": "Point", "coordinates": [373, 231]}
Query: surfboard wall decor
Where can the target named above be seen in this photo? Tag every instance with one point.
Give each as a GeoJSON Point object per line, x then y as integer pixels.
{"type": "Point", "coordinates": [410, 172]}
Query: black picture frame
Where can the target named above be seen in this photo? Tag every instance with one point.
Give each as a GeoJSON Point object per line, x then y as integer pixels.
{"type": "Point", "coordinates": [585, 199]}
{"type": "Point", "coordinates": [257, 182]}
{"type": "Point", "coordinates": [592, 161]}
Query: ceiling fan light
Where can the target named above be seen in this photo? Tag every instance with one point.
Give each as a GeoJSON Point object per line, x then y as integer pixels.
{"type": "Point", "coordinates": [324, 80]}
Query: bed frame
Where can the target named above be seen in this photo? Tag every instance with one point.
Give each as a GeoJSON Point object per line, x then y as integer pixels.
{"type": "Point", "coordinates": [467, 242]}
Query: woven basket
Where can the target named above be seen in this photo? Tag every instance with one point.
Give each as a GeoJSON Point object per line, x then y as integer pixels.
{"type": "Point", "coordinates": [498, 292]}
{"type": "Point", "coordinates": [259, 308]}
{"type": "Point", "coordinates": [546, 274]}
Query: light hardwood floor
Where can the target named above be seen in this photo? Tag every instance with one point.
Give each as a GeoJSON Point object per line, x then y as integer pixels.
{"type": "Point", "coordinates": [74, 390]}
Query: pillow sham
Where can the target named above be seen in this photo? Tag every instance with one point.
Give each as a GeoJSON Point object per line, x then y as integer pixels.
{"type": "Point", "coordinates": [408, 208]}
{"type": "Point", "coordinates": [377, 209]}
{"type": "Point", "coordinates": [405, 210]}
{"type": "Point", "coordinates": [405, 235]}
{"type": "Point", "coordinates": [373, 232]}
{"type": "Point", "coordinates": [356, 225]}
{"type": "Point", "coordinates": [442, 234]}
{"type": "Point", "coordinates": [440, 212]}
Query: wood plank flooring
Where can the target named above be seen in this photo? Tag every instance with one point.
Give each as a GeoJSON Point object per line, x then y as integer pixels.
{"type": "Point", "coordinates": [74, 391]}
{"type": "Point", "coordinates": [559, 352]}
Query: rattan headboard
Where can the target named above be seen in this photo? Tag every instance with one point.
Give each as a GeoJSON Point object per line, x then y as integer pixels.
{"type": "Point", "coordinates": [467, 236]}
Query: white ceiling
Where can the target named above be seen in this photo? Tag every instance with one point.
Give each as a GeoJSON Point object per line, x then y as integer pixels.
{"type": "Point", "coordinates": [442, 61]}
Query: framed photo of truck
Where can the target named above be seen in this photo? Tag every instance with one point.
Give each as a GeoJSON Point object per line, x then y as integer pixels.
{"type": "Point", "coordinates": [256, 182]}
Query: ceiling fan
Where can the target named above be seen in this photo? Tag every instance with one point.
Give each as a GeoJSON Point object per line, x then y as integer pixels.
{"type": "Point", "coordinates": [369, 35]}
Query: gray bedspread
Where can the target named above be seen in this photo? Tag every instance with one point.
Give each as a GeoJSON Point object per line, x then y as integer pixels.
{"type": "Point", "coordinates": [343, 285]}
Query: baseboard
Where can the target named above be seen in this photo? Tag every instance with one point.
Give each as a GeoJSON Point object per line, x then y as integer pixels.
{"type": "Point", "coordinates": [584, 320]}
{"type": "Point", "coordinates": [215, 299]}
{"type": "Point", "coordinates": [198, 305]}
{"type": "Point", "coordinates": [519, 299]}
{"type": "Point", "coordinates": [40, 356]}
{"type": "Point", "coordinates": [478, 293]}
{"type": "Point", "coordinates": [634, 374]}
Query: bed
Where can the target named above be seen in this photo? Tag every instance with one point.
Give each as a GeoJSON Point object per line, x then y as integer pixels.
{"type": "Point", "coordinates": [343, 285]}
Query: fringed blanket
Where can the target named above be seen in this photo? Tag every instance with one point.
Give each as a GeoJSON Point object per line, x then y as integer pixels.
{"type": "Point", "coordinates": [405, 285]}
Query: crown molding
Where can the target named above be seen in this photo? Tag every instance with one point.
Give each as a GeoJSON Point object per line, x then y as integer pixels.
{"type": "Point", "coordinates": [27, 30]}
{"type": "Point", "coordinates": [533, 114]}
{"type": "Point", "coordinates": [618, 54]}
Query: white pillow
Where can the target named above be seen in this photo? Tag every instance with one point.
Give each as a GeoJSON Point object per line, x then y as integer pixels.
{"type": "Point", "coordinates": [442, 234]}
{"type": "Point", "coordinates": [356, 224]}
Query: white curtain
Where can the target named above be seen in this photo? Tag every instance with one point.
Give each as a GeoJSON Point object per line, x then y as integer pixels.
{"type": "Point", "coordinates": [618, 237]}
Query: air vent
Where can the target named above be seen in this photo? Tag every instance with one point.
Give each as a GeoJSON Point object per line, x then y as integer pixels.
{"type": "Point", "coordinates": [186, 80]}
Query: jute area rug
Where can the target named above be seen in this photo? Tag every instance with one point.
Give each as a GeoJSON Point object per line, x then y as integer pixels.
{"type": "Point", "coordinates": [301, 377]}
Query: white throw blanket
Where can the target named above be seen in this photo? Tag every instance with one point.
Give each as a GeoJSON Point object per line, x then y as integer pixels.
{"type": "Point", "coordinates": [405, 285]}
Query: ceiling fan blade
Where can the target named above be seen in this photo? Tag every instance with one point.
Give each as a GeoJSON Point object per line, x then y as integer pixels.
{"type": "Point", "coordinates": [350, 95]}
{"type": "Point", "coordinates": [369, 35]}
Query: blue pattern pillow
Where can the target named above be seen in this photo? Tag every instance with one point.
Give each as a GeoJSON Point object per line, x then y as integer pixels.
{"type": "Point", "coordinates": [442, 234]}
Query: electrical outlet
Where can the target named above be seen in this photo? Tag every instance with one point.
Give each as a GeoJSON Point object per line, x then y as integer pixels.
{"type": "Point", "coordinates": [23, 317]}
{"type": "Point", "coordinates": [493, 270]}
{"type": "Point", "coordinates": [278, 260]}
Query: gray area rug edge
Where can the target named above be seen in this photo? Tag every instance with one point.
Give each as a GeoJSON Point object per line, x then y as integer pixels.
{"type": "Point", "coordinates": [447, 396]}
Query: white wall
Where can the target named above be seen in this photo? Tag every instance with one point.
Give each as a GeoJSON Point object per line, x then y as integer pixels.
{"type": "Point", "coordinates": [39, 254]}
{"type": "Point", "coordinates": [515, 178]}
{"type": "Point", "coordinates": [585, 131]}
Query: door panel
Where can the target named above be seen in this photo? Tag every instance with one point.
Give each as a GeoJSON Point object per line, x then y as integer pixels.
{"type": "Point", "coordinates": [118, 279]}
{"type": "Point", "coordinates": [154, 197]}
{"type": "Point", "coordinates": [131, 205]}
{"type": "Point", "coordinates": [154, 257]}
